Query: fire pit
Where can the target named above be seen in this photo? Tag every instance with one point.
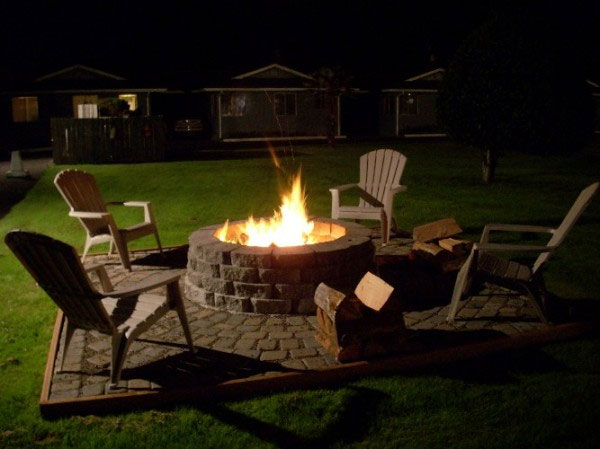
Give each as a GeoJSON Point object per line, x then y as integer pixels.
{"type": "Point", "coordinates": [273, 279]}
{"type": "Point", "coordinates": [274, 265]}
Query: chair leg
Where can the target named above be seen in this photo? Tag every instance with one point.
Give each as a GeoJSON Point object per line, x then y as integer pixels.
{"type": "Point", "coordinates": [69, 330]}
{"type": "Point", "coordinates": [385, 231]}
{"type": "Point", "coordinates": [120, 345]}
{"type": "Point", "coordinates": [86, 247]}
{"type": "Point", "coordinates": [176, 302]}
{"type": "Point", "coordinates": [121, 245]}
{"type": "Point", "coordinates": [460, 287]}
{"type": "Point", "coordinates": [537, 299]}
{"type": "Point", "coordinates": [158, 240]}
{"type": "Point", "coordinates": [111, 247]}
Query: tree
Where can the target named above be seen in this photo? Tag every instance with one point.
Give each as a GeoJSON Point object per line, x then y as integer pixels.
{"type": "Point", "coordinates": [515, 83]}
{"type": "Point", "coordinates": [331, 82]}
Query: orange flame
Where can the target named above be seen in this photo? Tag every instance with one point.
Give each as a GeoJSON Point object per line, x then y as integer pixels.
{"type": "Point", "coordinates": [287, 227]}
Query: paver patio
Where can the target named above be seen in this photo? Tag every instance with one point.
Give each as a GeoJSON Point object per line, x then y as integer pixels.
{"type": "Point", "coordinates": [244, 346]}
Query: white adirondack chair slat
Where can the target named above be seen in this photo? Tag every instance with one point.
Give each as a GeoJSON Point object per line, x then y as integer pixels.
{"type": "Point", "coordinates": [482, 265]}
{"type": "Point", "coordinates": [379, 181]}
{"type": "Point", "coordinates": [80, 191]}
{"type": "Point", "coordinates": [123, 315]}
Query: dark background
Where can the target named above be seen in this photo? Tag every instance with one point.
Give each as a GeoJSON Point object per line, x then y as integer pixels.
{"type": "Point", "coordinates": [166, 42]}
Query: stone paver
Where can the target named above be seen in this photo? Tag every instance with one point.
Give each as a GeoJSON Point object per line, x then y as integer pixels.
{"type": "Point", "coordinates": [234, 345]}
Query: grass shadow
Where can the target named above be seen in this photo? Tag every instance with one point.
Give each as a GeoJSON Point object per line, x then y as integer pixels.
{"type": "Point", "coordinates": [351, 424]}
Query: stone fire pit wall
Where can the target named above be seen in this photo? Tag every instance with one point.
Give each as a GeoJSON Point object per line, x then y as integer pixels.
{"type": "Point", "coordinates": [274, 280]}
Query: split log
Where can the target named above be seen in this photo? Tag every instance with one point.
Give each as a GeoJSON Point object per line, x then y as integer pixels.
{"type": "Point", "coordinates": [437, 230]}
{"type": "Point", "coordinates": [432, 252]}
{"type": "Point", "coordinates": [456, 246]}
{"type": "Point", "coordinates": [373, 292]}
{"type": "Point", "coordinates": [335, 303]}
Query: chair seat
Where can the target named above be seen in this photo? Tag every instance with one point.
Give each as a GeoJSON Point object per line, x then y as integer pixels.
{"type": "Point", "coordinates": [360, 212]}
{"type": "Point", "coordinates": [498, 267]}
{"type": "Point", "coordinates": [130, 313]}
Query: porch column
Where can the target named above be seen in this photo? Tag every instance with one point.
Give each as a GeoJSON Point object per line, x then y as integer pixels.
{"type": "Point", "coordinates": [219, 116]}
{"type": "Point", "coordinates": [397, 115]}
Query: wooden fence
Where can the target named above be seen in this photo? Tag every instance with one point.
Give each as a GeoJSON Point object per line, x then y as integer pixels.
{"type": "Point", "coordinates": [106, 140]}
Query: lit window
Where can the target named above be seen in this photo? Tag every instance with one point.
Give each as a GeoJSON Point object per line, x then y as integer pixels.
{"type": "Point", "coordinates": [285, 104]}
{"type": "Point", "coordinates": [131, 100]}
{"type": "Point", "coordinates": [233, 105]}
{"type": "Point", "coordinates": [408, 104]}
{"type": "Point", "coordinates": [25, 109]}
{"type": "Point", "coordinates": [85, 106]}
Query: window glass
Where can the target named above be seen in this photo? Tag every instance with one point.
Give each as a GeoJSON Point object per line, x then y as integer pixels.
{"type": "Point", "coordinates": [131, 100]}
{"type": "Point", "coordinates": [285, 104]}
{"type": "Point", "coordinates": [388, 105]}
{"type": "Point", "coordinates": [408, 104]}
{"type": "Point", "coordinates": [25, 109]}
{"type": "Point", "coordinates": [233, 104]}
{"type": "Point", "coordinates": [85, 106]}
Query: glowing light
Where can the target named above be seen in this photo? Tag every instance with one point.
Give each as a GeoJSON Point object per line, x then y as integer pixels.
{"type": "Point", "coordinates": [289, 226]}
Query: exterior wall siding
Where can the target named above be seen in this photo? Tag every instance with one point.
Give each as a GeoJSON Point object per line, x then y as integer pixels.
{"type": "Point", "coordinates": [424, 120]}
{"type": "Point", "coordinates": [260, 120]}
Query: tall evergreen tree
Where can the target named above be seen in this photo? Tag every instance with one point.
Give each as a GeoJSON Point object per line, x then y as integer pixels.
{"type": "Point", "coordinates": [516, 83]}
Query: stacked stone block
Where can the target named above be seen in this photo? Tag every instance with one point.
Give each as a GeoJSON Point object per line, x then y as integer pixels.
{"type": "Point", "coordinates": [275, 280]}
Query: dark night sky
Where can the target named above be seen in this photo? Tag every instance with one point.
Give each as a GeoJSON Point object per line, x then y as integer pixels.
{"type": "Point", "coordinates": [158, 41]}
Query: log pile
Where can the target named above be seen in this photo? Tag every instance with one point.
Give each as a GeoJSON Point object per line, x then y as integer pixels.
{"type": "Point", "coordinates": [436, 242]}
{"type": "Point", "coordinates": [360, 326]}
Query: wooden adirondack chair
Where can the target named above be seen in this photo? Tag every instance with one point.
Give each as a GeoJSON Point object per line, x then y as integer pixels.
{"type": "Point", "coordinates": [80, 191]}
{"type": "Point", "coordinates": [380, 173]}
{"type": "Point", "coordinates": [122, 314]}
{"type": "Point", "coordinates": [483, 266]}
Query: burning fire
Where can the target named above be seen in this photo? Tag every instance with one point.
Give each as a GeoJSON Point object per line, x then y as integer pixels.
{"type": "Point", "coordinates": [289, 226]}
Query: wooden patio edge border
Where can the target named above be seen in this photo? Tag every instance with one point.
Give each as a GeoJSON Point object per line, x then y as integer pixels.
{"type": "Point", "coordinates": [237, 388]}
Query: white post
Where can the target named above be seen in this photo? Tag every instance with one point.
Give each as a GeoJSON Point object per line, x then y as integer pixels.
{"type": "Point", "coordinates": [397, 115]}
{"type": "Point", "coordinates": [16, 166]}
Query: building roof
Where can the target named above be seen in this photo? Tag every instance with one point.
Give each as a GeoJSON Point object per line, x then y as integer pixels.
{"type": "Point", "coordinates": [424, 82]}
{"type": "Point", "coordinates": [432, 75]}
{"type": "Point", "coordinates": [274, 71]}
{"type": "Point", "coordinates": [78, 72]}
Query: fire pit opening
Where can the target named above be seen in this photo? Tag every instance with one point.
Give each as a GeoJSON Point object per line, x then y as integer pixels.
{"type": "Point", "coordinates": [275, 279]}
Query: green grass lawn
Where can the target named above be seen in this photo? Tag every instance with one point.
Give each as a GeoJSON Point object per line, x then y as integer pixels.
{"type": "Point", "coordinates": [537, 398]}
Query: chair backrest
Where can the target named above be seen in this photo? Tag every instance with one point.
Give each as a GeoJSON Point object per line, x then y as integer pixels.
{"type": "Point", "coordinates": [56, 268]}
{"type": "Point", "coordinates": [582, 201]}
{"type": "Point", "coordinates": [80, 191]}
{"type": "Point", "coordinates": [379, 170]}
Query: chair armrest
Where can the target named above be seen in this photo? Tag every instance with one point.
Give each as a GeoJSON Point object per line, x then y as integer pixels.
{"type": "Point", "coordinates": [154, 281]}
{"type": "Point", "coordinates": [100, 271]}
{"type": "Point", "coordinates": [397, 189]}
{"type": "Point", "coordinates": [485, 235]}
{"type": "Point", "coordinates": [137, 203]}
{"type": "Point", "coordinates": [148, 217]}
{"type": "Point", "coordinates": [343, 187]}
{"type": "Point", "coordinates": [513, 247]}
{"type": "Point", "coordinates": [128, 203]}
{"type": "Point", "coordinates": [81, 214]}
